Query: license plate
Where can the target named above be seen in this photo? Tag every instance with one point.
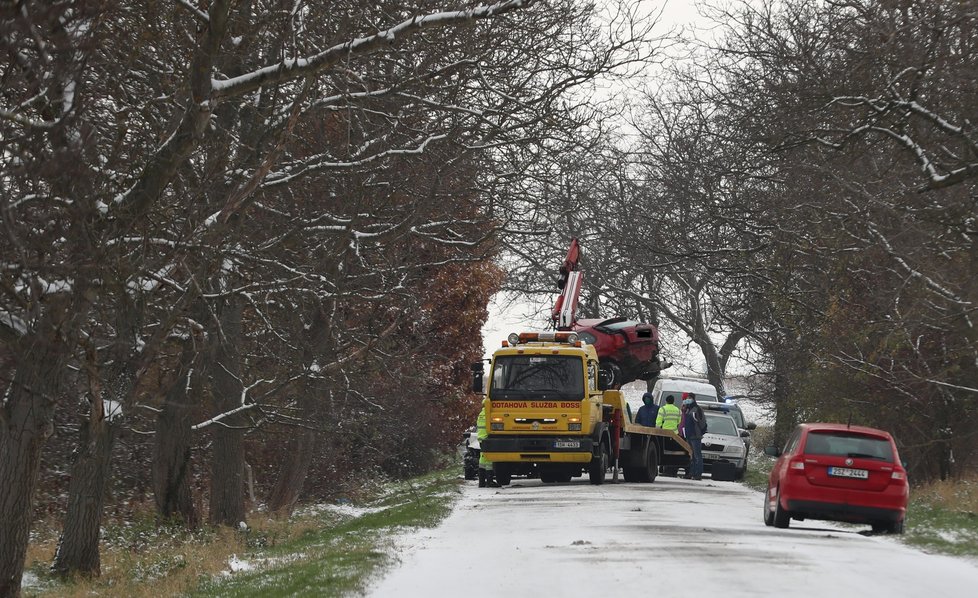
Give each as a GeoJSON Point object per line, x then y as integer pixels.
{"type": "Point", "coordinates": [845, 472]}
{"type": "Point", "coordinates": [567, 444]}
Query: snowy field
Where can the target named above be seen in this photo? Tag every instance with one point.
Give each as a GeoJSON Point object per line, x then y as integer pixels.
{"type": "Point", "coordinates": [673, 537]}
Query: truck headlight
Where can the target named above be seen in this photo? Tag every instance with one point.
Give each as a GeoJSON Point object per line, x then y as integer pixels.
{"type": "Point", "coordinates": [734, 449]}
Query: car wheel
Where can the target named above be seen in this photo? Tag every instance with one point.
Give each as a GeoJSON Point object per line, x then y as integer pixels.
{"type": "Point", "coordinates": [781, 516]}
{"type": "Point", "coordinates": [768, 515]}
{"type": "Point", "coordinates": [888, 527]}
{"type": "Point", "coordinates": [599, 465]}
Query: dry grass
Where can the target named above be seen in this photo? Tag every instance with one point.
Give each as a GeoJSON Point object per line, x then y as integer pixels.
{"type": "Point", "coordinates": [141, 559]}
{"type": "Point", "coordinates": [959, 495]}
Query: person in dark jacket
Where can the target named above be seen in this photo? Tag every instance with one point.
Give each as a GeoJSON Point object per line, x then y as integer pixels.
{"type": "Point", "coordinates": [647, 412]}
{"type": "Point", "coordinates": [694, 422]}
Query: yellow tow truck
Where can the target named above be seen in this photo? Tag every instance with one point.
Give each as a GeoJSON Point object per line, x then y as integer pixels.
{"type": "Point", "coordinates": [547, 417]}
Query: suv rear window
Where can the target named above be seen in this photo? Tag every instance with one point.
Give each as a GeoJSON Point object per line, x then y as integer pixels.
{"type": "Point", "coordinates": [848, 444]}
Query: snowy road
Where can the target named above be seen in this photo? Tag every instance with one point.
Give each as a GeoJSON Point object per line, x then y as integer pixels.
{"type": "Point", "coordinates": [671, 538]}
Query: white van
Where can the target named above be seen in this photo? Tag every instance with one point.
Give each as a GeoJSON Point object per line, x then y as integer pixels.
{"type": "Point", "coordinates": [702, 390]}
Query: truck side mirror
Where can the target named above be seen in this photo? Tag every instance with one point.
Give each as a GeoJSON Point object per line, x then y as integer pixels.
{"type": "Point", "coordinates": [478, 372]}
{"type": "Point", "coordinates": [751, 426]}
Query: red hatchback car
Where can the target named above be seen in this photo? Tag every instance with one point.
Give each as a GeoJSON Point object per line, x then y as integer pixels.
{"type": "Point", "coordinates": [839, 473]}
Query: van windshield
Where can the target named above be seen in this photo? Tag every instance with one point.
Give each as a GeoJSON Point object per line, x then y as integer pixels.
{"type": "Point", "coordinates": [537, 376]}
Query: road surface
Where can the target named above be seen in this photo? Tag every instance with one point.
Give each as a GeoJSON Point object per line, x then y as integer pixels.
{"type": "Point", "coordinates": [673, 537]}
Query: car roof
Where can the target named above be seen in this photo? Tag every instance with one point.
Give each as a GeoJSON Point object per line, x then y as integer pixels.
{"type": "Point", "coordinates": [718, 406]}
{"type": "Point", "coordinates": [834, 427]}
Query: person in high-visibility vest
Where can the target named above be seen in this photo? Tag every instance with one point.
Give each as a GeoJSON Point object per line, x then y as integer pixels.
{"type": "Point", "coordinates": [669, 415]}
{"type": "Point", "coordinates": [485, 465]}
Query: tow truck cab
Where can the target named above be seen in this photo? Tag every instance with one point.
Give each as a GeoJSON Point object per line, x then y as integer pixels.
{"type": "Point", "coordinates": [543, 406]}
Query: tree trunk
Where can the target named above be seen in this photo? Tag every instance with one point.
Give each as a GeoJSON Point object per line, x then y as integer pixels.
{"type": "Point", "coordinates": [78, 547]}
{"type": "Point", "coordinates": [292, 474]}
{"type": "Point", "coordinates": [26, 422]}
{"type": "Point", "coordinates": [227, 458]}
{"type": "Point", "coordinates": [171, 457]}
{"type": "Point", "coordinates": [227, 476]}
{"type": "Point", "coordinates": [27, 418]}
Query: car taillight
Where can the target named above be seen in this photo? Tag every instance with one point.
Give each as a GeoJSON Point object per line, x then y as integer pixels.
{"type": "Point", "coordinates": [797, 465]}
{"type": "Point", "coordinates": [898, 475]}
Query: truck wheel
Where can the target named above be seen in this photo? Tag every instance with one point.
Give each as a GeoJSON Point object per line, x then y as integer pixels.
{"type": "Point", "coordinates": [564, 477]}
{"type": "Point", "coordinates": [631, 474]}
{"type": "Point", "coordinates": [502, 474]}
{"type": "Point", "coordinates": [599, 465]}
{"type": "Point", "coordinates": [651, 468]}
{"type": "Point", "coordinates": [547, 478]}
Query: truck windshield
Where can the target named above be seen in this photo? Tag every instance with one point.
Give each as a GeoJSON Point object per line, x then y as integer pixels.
{"type": "Point", "coordinates": [543, 376]}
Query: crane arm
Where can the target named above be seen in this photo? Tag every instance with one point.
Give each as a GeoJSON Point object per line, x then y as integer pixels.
{"type": "Point", "coordinates": [569, 281]}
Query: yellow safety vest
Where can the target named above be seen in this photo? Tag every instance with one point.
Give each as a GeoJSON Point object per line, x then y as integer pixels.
{"type": "Point", "coordinates": [669, 416]}
{"type": "Point", "coordinates": [481, 433]}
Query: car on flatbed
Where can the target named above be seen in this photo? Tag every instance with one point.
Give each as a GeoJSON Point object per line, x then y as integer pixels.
{"type": "Point", "coordinates": [838, 472]}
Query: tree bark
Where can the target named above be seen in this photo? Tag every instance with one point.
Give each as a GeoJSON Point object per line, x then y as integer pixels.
{"type": "Point", "coordinates": [26, 426]}
{"type": "Point", "coordinates": [227, 458]}
{"type": "Point", "coordinates": [292, 474]}
{"type": "Point", "coordinates": [171, 451]}
{"type": "Point", "coordinates": [78, 547]}
{"type": "Point", "coordinates": [26, 422]}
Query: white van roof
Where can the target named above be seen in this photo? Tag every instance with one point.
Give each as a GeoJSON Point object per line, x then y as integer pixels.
{"type": "Point", "coordinates": [686, 385]}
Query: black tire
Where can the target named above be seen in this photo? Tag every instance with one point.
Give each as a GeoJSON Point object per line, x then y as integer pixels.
{"type": "Point", "coordinates": [888, 527]}
{"type": "Point", "coordinates": [651, 468]}
{"type": "Point", "coordinates": [599, 466]}
{"type": "Point", "coordinates": [782, 518]}
{"type": "Point", "coordinates": [768, 515]}
{"type": "Point", "coordinates": [564, 477]}
{"type": "Point", "coordinates": [547, 478]}
{"type": "Point", "coordinates": [631, 474]}
{"type": "Point", "coordinates": [502, 475]}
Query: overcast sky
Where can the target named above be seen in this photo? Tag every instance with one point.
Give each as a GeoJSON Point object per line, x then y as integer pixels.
{"type": "Point", "coordinates": [506, 316]}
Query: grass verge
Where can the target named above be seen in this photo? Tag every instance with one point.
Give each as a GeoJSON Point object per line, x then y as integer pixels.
{"type": "Point", "coordinates": [326, 550]}
{"type": "Point", "coordinates": [943, 517]}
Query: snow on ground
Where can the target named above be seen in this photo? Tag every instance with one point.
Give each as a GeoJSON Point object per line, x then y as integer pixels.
{"type": "Point", "coordinates": [676, 535]}
{"type": "Point", "coordinates": [346, 510]}
{"type": "Point", "coordinates": [29, 581]}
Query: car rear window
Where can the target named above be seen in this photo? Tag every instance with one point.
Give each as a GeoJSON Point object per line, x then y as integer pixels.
{"type": "Point", "coordinates": [848, 444]}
